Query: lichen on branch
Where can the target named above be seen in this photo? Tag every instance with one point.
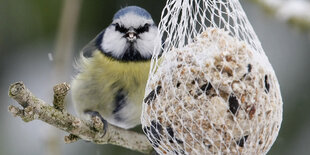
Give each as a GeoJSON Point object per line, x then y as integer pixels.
{"type": "Point", "coordinates": [33, 108]}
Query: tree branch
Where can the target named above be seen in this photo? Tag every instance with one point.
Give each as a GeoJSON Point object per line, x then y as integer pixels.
{"type": "Point", "coordinates": [34, 108]}
{"type": "Point", "coordinates": [60, 92]}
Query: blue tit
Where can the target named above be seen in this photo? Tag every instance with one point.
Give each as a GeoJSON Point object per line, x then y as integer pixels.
{"type": "Point", "coordinates": [114, 67]}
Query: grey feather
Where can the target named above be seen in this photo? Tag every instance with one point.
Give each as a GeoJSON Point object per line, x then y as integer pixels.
{"type": "Point", "coordinates": [93, 45]}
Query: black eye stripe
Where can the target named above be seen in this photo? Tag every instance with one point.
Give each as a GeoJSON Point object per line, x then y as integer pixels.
{"type": "Point", "coordinates": [142, 29]}
{"type": "Point", "coordinates": [119, 28]}
{"type": "Point", "coordinates": [138, 30]}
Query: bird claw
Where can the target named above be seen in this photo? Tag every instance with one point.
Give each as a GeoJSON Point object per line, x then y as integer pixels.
{"type": "Point", "coordinates": [97, 119]}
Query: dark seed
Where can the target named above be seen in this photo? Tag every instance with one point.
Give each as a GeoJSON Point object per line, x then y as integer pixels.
{"type": "Point", "coordinates": [178, 84]}
{"type": "Point", "coordinates": [158, 89]}
{"type": "Point", "coordinates": [249, 68]}
{"type": "Point", "coordinates": [155, 145]}
{"type": "Point", "coordinates": [249, 71]}
{"type": "Point", "coordinates": [176, 152]}
{"type": "Point", "coordinates": [152, 140]}
{"type": "Point", "coordinates": [146, 129]}
{"type": "Point", "coordinates": [179, 141]}
{"type": "Point", "coordinates": [233, 104]}
{"type": "Point", "coordinates": [267, 85]}
{"type": "Point", "coordinates": [157, 125]}
{"type": "Point", "coordinates": [242, 141]}
{"type": "Point", "coordinates": [156, 130]}
{"type": "Point", "coordinates": [152, 95]}
{"type": "Point", "coordinates": [170, 132]}
{"type": "Point", "coordinates": [206, 87]}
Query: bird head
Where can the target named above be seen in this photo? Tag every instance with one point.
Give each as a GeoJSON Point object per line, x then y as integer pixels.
{"type": "Point", "coordinates": [132, 35]}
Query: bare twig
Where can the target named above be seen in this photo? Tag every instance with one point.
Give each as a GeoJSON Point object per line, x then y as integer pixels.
{"type": "Point", "coordinates": [71, 138]}
{"type": "Point", "coordinates": [60, 91]}
{"type": "Point", "coordinates": [34, 108]}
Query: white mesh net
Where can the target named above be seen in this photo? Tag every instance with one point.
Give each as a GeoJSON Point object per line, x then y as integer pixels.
{"type": "Point", "coordinates": [213, 90]}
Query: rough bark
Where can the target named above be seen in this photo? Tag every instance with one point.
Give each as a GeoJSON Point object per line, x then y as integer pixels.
{"type": "Point", "coordinates": [34, 108]}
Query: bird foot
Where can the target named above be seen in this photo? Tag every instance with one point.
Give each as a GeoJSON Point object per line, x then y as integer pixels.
{"type": "Point", "coordinates": [96, 119]}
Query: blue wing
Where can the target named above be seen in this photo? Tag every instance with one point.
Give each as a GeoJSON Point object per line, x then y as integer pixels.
{"type": "Point", "coordinates": [93, 45]}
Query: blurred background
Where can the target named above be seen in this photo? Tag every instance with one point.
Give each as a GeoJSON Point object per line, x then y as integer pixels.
{"type": "Point", "coordinates": [39, 40]}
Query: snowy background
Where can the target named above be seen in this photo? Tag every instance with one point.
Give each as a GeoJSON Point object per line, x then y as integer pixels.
{"type": "Point", "coordinates": [28, 32]}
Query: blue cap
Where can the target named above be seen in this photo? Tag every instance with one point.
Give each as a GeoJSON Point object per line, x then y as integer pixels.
{"type": "Point", "coordinates": [134, 9]}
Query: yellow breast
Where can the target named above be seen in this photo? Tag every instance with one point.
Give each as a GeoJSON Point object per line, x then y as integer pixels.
{"type": "Point", "coordinates": [125, 70]}
{"type": "Point", "coordinates": [111, 75]}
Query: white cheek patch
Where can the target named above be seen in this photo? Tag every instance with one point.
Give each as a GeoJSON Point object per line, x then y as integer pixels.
{"type": "Point", "coordinates": [147, 42]}
{"type": "Point", "coordinates": [113, 42]}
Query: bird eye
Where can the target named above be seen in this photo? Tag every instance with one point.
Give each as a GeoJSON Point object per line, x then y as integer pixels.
{"type": "Point", "coordinates": [116, 26]}
{"type": "Point", "coordinates": [144, 28]}
{"type": "Point", "coordinates": [119, 28]}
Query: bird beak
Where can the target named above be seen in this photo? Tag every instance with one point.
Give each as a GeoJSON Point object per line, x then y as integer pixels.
{"type": "Point", "coordinates": [131, 35]}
